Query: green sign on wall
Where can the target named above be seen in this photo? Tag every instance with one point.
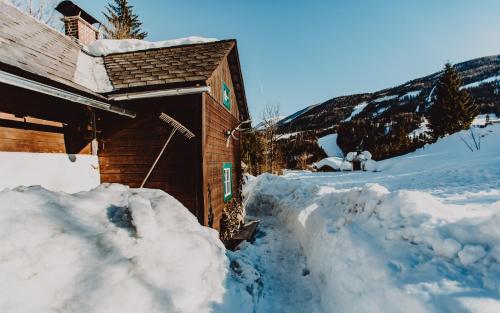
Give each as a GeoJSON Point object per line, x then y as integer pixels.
{"type": "Point", "coordinates": [226, 96]}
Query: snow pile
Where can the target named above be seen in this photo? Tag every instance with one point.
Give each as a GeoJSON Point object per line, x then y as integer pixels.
{"type": "Point", "coordinates": [55, 171]}
{"type": "Point", "coordinates": [335, 163]}
{"type": "Point", "coordinates": [351, 156]}
{"type": "Point", "coordinates": [91, 73]}
{"type": "Point", "coordinates": [109, 46]}
{"type": "Point", "coordinates": [329, 144]}
{"type": "Point", "coordinates": [112, 249]}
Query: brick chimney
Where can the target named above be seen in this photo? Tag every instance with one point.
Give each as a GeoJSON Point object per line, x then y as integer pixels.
{"type": "Point", "coordinates": [78, 24]}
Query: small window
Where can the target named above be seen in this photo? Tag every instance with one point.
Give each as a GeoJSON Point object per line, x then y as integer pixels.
{"type": "Point", "coordinates": [226, 96]}
{"type": "Point", "coordinates": [227, 175]}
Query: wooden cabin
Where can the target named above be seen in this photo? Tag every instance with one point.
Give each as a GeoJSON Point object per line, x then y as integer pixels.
{"type": "Point", "coordinates": [96, 118]}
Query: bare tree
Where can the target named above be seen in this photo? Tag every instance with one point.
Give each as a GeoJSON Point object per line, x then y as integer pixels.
{"type": "Point", "coordinates": [42, 10]}
{"type": "Point", "coordinates": [270, 118]}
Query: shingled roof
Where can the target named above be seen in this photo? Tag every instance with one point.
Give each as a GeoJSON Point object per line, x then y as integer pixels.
{"type": "Point", "coordinates": [176, 66]}
{"type": "Point", "coordinates": [186, 65]}
{"type": "Point", "coordinates": [31, 48]}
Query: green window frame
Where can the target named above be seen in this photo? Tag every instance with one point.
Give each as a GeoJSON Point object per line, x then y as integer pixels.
{"type": "Point", "coordinates": [227, 181]}
{"type": "Point", "coordinates": [226, 96]}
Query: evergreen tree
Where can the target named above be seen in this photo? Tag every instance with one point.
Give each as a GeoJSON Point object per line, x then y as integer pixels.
{"type": "Point", "coordinates": [453, 109]}
{"type": "Point", "coordinates": [123, 23]}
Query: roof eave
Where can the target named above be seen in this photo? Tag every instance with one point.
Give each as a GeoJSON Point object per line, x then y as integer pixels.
{"type": "Point", "coordinates": [246, 113]}
{"type": "Point", "coordinates": [34, 82]}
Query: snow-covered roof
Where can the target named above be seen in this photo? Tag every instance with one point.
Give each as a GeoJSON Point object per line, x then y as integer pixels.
{"type": "Point", "coordinates": [335, 163]}
{"type": "Point", "coordinates": [105, 47]}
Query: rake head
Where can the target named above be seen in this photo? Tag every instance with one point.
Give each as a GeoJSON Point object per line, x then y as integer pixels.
{"type": "Point", "coordinates": [177, 126]}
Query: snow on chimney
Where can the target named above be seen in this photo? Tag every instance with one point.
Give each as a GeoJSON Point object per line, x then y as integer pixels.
{"type": "Point", "coordinates": [78, 24]}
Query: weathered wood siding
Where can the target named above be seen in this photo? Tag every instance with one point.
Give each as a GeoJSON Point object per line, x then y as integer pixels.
{"type": "Point", "coordinates": [217, 120]}
{"type": "Point", "coordinates": [128, 147]}
{"type": "Point", "coordinates": [223, 74]}
{"type": "Point", "coordinates": [30, 135]}
{"type": "Point", "coordinates": [31, 122]}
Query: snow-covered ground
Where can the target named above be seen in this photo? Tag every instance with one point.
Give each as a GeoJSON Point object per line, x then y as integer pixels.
{"type": "Point", "coordinates": [421, 235]}
{"type": "Point", "coordinates": [112, 249]}
{"type": "Point", "coordinates": [279, 278]}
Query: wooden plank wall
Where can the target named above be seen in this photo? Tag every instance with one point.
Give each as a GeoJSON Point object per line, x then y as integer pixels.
{"type": "Point", "coordinates": [128, 147]}
{"type": "Point", "coordinates": [218, 120]}
{"type": "Point", "coordinates": [30, 134]}
{"type": "Point", "coordinates": [223, 73]}
{"type": "Point", "coordinates": [33, 122]}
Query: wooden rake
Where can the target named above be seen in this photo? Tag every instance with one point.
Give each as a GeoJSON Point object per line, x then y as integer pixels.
{"type": "Point", "coordinates": [176, 127]}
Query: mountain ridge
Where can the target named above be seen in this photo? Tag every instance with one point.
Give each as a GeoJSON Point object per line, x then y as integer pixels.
{"type": "Point", "coordinates": [413, 96]}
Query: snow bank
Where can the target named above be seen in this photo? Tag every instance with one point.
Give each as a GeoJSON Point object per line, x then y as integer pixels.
{"type": "Point", "coordinates": [108, 46]}
{"type": "Point", "coordinates": [329, 144]}
{"type": "Point", "coordinates": [112, 249]}
{"type": "Point", "coordinates": [373, 250]}
{"type": "Point", "coordinates": [54, 171]}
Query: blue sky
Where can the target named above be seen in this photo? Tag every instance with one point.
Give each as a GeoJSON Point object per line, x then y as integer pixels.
{"type": "Point", "coordinates": [298, 53]}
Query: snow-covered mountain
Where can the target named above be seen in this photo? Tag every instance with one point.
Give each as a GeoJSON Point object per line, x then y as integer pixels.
{"type": "Point", "coordinates": [480, 76]}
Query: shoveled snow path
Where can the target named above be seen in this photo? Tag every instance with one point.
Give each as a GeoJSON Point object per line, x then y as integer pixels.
{"type": "Point", "coordinates": [286, 284]}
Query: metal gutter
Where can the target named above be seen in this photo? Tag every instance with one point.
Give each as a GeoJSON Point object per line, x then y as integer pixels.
{"type": "Point", "coordinates": [159, 93]}
{"type": "Point", "coordinates": [25, 83]}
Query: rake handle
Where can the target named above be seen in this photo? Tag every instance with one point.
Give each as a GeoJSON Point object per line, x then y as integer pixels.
{"type": "Point", "coordinates": [158, 157]}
